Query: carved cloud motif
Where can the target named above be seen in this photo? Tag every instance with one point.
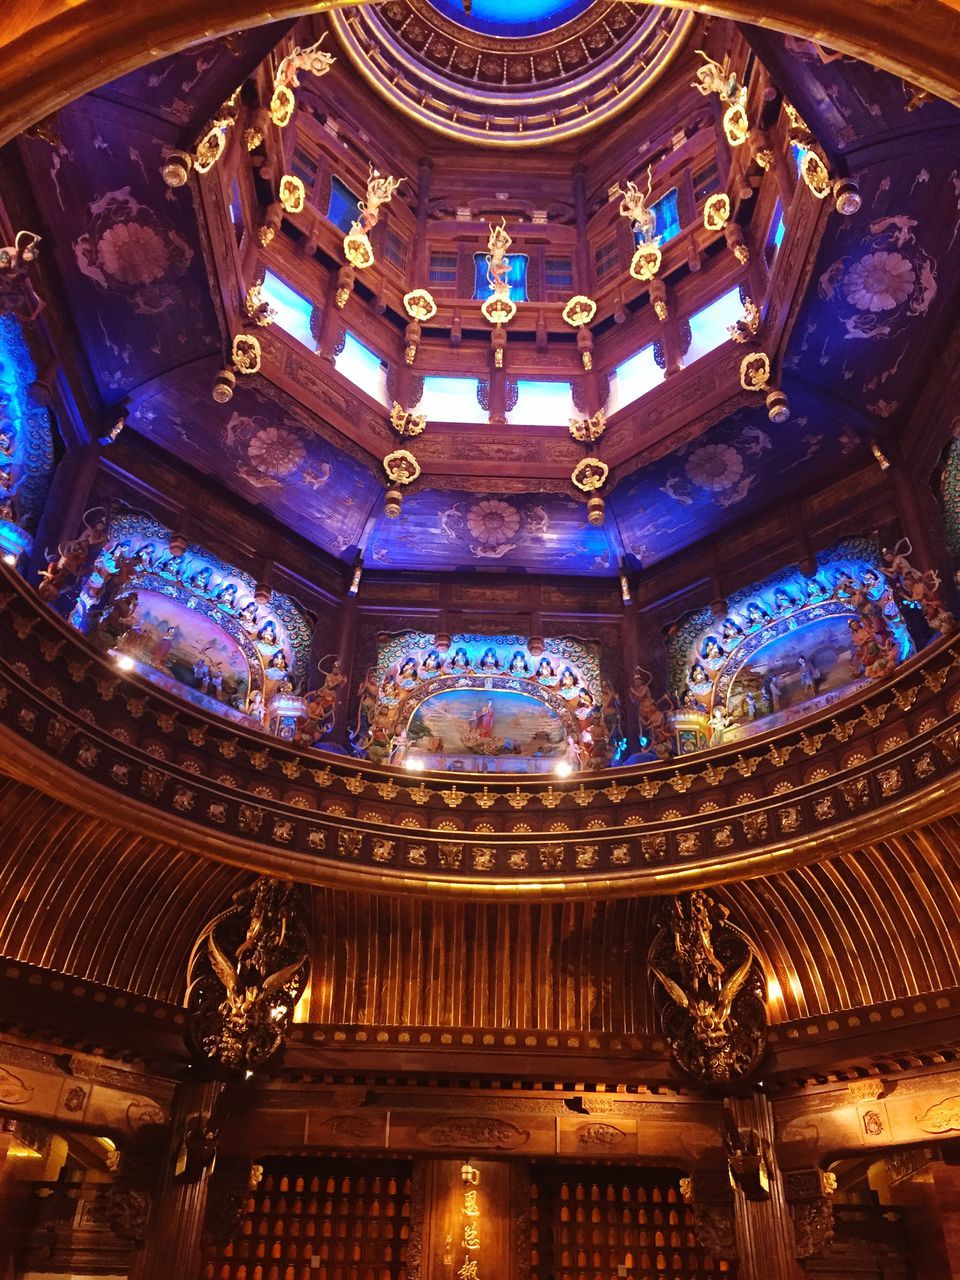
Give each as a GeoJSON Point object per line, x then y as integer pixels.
{"type": "Point", "coordinates": [942, 1116]}
{"type": "Point", "coordinates": [14, 1091]}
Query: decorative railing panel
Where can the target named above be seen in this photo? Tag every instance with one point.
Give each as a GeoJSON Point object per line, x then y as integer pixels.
{"type": "Point", "coordinates": [76, 727]}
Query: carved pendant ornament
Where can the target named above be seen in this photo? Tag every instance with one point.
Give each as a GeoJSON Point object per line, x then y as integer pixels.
{"type": "Point", "coordinates": [711, 985]}
{"type": "Point", "coordinates": [246, 973]}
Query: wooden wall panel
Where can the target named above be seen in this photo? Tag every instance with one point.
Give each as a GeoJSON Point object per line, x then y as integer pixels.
{"type": "Point", "coordinates": [85, 898]}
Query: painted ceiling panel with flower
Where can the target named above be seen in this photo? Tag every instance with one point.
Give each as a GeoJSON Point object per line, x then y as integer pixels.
{"type": "Point", "coordinates": [736, 467]}
{"type": "Point", "coordinates": [883, 282]}
{"type": "Point", "coordinates": [539, 533]}
{"type": "Point", "coordinates": [127, 246]}
{"type": "Point", "coordinates": [271, 452]}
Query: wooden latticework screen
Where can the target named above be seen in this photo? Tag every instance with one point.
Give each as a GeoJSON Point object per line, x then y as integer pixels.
{"type": "Point", "coordinates": [604, 1222]}
{"type": "Point", "coordinates": [321, 1219]}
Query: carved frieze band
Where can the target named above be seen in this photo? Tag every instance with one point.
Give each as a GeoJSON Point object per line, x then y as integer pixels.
{"type": "Point", "coordinates": [61, 699]}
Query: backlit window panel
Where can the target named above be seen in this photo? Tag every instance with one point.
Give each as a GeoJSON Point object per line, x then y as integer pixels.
{"type": "Point", "coordinates": [709, 325]}
{"type": "Point", "coordinates": [362, 367]}
{"type": "Point", "coordinates": [634, 378]}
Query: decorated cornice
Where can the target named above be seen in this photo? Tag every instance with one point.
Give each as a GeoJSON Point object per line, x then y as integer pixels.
{"type": "Point", "coordinates": [78, 729]}
{"type": "Point", "coordinates": [510, 92]}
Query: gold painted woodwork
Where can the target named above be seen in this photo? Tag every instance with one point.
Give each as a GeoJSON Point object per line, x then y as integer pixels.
{"type": "Point", "coordinates": [77, 893]}
{"type": "Point", "coordinates": [918, 701]}
{"type": "Point", "coordinates": [52, 51]}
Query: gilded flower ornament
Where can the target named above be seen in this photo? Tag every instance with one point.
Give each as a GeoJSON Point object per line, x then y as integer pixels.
{"type": "Point", "coordinates": [276, 451]}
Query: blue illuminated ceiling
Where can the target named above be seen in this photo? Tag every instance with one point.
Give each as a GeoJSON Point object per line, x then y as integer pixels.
{"type": "Point", "coordinates": [516, 18]}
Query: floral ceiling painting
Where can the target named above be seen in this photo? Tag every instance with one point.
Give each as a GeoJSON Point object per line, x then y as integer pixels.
{"type": "Point", "coordinates": [127, 245]}
{"type": "Point", "coordinates": [270, 451]}
{"type": "Point", "coordinates": [737, 466]}
{"type": "Point", "coordinates": [454, 529]}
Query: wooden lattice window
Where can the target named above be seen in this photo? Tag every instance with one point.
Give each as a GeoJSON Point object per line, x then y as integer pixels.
{"type": "Point", "coordinates": [591, 1222]}
{"type": "Point", "coordinates": [321, 1219]}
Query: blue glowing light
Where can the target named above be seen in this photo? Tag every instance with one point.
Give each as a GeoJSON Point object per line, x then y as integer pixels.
{"type": "Point", "coordinates": [516, 277]}
{"type": "Point", "coordinates": [293, 310]}
{"type": "Point", "coordinates": [451, 400]}
{"type": "Point", "coordinates": [518, 18]}
{"type": "Point", "coordinates": [709, 327]}
{"type": "Point", "coordinates": [363, 368]}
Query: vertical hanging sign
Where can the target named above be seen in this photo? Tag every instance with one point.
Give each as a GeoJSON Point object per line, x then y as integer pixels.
{"type": "Point", "coordinates": [470, 1240]}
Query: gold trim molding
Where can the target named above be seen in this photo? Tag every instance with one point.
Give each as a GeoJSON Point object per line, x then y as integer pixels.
{"type": "Point", "coordinates": [53, 51]}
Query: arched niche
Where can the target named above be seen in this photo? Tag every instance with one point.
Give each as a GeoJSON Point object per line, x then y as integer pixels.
{"type": "Point", "coordinates": [486, 725]}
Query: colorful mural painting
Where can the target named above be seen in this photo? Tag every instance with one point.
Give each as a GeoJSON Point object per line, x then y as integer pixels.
{"type": "Point", "coordinates": [484, 731]}
{"type": "Point", "coordinates": [194, 624]}
{"type": "Point", "coordinates": [504, 704]}
{"type": "Point", "coordinates": [790, 645]}
{"type": "Point", "coordinates": [186, 647]}
{"type": "Point", "coordinates": [26, 443]}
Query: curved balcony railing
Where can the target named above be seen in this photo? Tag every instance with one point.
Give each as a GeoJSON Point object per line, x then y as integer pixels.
{"type": "Point", "coordinates": [74, 726]}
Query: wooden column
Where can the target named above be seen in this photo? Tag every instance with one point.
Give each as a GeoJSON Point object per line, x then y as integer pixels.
{"type": "Point", "coordinates": [346, 648]}
{"type": "Point", "coordinates": [68, 498]}
{"type": "Point", "coordinates": [764, 1228]}
{"type": "Point", "coordinates": [631, 660]}
{"type": "Point", "coordinates": [922, 521]}
{"type": "Point", "coordinates": [172, 1246]}
{"type": "Point", "coordinates": [419, 269]}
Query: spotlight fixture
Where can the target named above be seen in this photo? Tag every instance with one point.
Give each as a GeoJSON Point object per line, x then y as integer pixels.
{"type": "Point", "coordinates": [223, 386]}
{"type": "Point", "coordinates": [563, 768]}
{"type": "Point", "coordinates": [176, 168]}
{"type": "Point", "coordinates": [846, 197]}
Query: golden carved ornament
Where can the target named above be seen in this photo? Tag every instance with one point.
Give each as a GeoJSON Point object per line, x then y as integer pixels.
{"type": "Point", "coordinates": [590, 474]}
{"type": "Point", "coordinates": [815, 174]}
{"type": "Point", "coordinates": [744, 329]}
{"type": "Point", "coordinates": [588, 430]}
{"type": "Point", "coordinates": [419, 305]}
{"type": "Point", "coordinates": [645, 262]}
{"type": "Point", "coordinates": [293, 195]}
{"type": "Point", "coordinates": [401, 467]}
{"type": "Point", "coordinates": [245, 353]}
{"type": "Point", "coordinates": [498, 309]}
{"type": "Point", "coordinates": [405, 422]}
{"type": "Point", "coordinates": [247, 971]}
{"type": "Point", "coordinates": [714, 1015]}
{"type": "Point", "coordinates": [714, 78]}
{"type": "Point", "coordinates": [716, 211]}
{"type": "Point", "coordinates": [257, 308]}
{"type": "Point", "coordinates": [283, 101]}
{"type": "Point", "coordinates": [579, 311]}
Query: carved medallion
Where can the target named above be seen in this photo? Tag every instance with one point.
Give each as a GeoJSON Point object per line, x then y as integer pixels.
{"type": "Point", "coordinates": [470, 1131]}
